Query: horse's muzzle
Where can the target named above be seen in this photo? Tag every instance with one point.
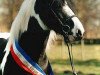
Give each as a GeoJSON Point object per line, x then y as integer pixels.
{"type": "Point", "coordinates": [79, 36]}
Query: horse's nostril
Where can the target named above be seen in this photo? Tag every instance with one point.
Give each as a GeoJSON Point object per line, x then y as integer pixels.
{"type": "Point", "coordinates": [79, 34]}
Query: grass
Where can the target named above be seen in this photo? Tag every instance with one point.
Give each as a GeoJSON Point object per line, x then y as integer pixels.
{"type": "Point", "coordinates": [86, 59]}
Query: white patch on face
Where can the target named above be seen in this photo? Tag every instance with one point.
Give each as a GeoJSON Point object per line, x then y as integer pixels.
{"type": "Point", "coordinates": [42, 25]}
{"type": "Point", "coordinates": [77, 24]}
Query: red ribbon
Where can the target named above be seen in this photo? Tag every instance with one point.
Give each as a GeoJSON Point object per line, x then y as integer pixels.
{"type": "Point", "coordinates": [18, 61]}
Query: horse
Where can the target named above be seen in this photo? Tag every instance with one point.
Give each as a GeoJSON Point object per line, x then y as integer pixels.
{"type": "Point", "coordinates": [25, 51]}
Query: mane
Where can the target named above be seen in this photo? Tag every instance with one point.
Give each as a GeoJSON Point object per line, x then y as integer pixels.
{"type": "Point", "coordinates": [19, 25]}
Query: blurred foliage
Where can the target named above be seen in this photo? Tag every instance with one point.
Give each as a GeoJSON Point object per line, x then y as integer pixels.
{"type": "Point", "coordinates": [8, 11]}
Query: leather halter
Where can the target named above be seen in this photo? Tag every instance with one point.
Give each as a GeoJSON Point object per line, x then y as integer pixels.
{"type": "Point", "coordinates": [69, 17]}
{"type": "Point", "coordinates": [66, 35]}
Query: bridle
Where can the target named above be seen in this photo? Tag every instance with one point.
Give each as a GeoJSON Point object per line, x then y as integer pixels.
{"type": "Point", "coordinates": [62, 24]}
{"type": "Point", "coordinates": [66, 35]}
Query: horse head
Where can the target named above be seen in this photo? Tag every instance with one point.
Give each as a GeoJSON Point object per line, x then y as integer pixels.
{"type": "Point", "coordinates": [57, 15]}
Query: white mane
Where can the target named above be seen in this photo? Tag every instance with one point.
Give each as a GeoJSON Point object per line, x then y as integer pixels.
{"type": "Point", "coordinates": [18, 26]}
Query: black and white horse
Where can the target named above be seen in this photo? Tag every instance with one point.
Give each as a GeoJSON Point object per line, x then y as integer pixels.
{"type": "Point", "coordinates": [31, 29]}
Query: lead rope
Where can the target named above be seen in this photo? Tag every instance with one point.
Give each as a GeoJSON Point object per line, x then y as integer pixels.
{"type": "Point", "coordinates": [66, 34]}
{"type": "Point", "coordinates": [71, 59]}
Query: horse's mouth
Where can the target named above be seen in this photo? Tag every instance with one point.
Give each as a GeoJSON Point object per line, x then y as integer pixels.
{"type": "Point", "coordinates": [71, 38]}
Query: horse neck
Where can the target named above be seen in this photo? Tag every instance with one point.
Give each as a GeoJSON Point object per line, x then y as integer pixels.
{"type": "Point", "coordinates": [33, 40]}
